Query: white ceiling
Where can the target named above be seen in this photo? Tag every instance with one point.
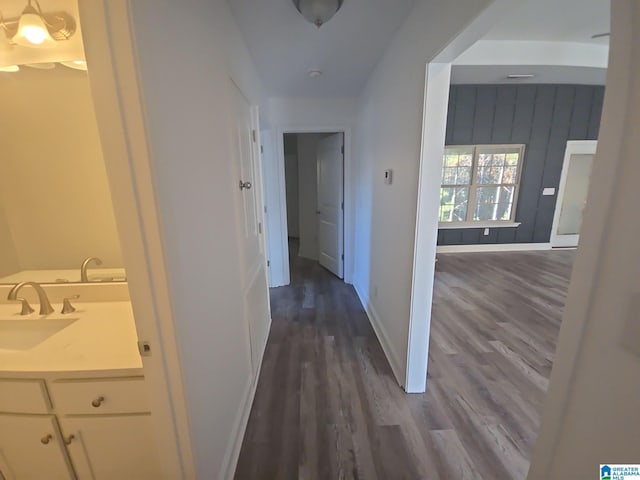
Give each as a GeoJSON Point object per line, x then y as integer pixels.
{"type": "Point", "coordinates": [285, 46]}
{"type": "Point", "coordinates": [554, 20]}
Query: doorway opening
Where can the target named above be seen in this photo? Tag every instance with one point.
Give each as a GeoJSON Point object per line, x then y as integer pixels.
{"type": "Point", "coordinates": [314, 186]}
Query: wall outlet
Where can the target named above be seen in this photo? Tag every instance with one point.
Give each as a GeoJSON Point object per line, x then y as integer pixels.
{"type": "Point", "coordinates": [548, 192]}
{"type": "Point", "coordinates": [486, 232]}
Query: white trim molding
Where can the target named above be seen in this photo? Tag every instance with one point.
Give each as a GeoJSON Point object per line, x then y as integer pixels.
{"type": "Point", "coordinates": [392, 356]}
{"type": "Point", "coordinates": [493, 247]}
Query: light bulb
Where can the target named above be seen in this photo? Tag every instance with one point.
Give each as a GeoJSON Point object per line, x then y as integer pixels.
{"type": "Point", "coordinates": [34, 35]}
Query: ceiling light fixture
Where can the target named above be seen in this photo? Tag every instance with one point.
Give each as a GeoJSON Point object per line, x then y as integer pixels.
{"type": "Point", "coordinates": [520, 76]}
{"type": "Point", "coordinates": [35, 29]}
{"type": "Point", "coordinates": [318, 12]}
{"type": "Point", "coordinates": [315, 73]}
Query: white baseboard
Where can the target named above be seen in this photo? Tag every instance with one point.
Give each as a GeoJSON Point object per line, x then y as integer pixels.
{"type": "Point", "coordinates": [242, 419]}
{"type": "Point", "coordinates": [383, 338]}
{"type": "Point", "coordinates": [493, 247]}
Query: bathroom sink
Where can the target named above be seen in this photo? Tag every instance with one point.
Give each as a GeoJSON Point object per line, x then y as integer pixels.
{"type": "Point", "coordinates": [18, 334]}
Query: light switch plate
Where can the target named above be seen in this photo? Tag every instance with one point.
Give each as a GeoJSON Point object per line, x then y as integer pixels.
{"type": "Point", "coordinates": [388, 177]}
{"type": "Point", "coordinates": [549, 191]}
{"type": "Point", "coordinates": [630, 338]}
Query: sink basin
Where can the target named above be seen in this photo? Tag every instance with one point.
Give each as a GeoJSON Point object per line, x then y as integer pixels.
{"type": "Point", "coordinates": [25, 333]}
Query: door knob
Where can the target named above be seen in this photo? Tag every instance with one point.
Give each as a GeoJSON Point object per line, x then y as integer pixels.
{"type": "Point", "coordinates": [46, 439]}
{"type": "Point", "coordinates": [69, 439]}
{"type": "Point", "coordinates": [245, 185]}
{"type": "Point", "coordinates": [97, 402]}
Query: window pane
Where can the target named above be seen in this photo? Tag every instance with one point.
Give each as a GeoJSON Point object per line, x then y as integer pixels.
{"type": "Point", "coordinates": [453, 204]}
{"type": "Point", "coordinates": [490, 175]}
{"type": "Point", "coordinates": [494, 203]}
{"type": "Point", "coordinates": [456, 176]}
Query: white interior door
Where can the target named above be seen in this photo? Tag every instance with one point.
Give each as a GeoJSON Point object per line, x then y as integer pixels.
{"type": "Point", "coordinates": [572, 193]}
{"type": "Point", "coordinates": [254, 276]}
{"type": "Point", "coordinates": [330, 203]}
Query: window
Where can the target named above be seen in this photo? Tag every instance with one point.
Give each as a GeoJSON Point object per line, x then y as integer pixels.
{"type": "Point", "coordinates": [480, 184]}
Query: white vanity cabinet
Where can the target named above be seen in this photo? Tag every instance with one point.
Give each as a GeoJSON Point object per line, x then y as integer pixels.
{"type": "Point", "coordinates": [76, 429]}
{"type": "Point", "coordinates": [105, 447]}
{"type": "Point", "coordinates": [31, 448]}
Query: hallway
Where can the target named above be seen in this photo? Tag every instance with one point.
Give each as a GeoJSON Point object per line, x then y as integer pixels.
{"type": "Point", "coordinates": [327, 405]}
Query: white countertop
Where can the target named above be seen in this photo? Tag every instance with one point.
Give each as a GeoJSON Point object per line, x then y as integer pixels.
{"type": "Point", "coordinates": [102, 338]}
{"type": "Point", "coordinates": [95, 274]}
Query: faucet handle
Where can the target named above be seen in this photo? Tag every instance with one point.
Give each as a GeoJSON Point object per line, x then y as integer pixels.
{"type": "Point", "coordinates": [26, 308]}
{"type": "Point", "coordinates": [66, 304]}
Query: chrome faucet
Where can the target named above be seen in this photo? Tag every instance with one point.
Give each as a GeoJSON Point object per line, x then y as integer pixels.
{"type": "Point", "coordinates": [83, 269]}
{"type": "Point", "coordinates": [45, 306]}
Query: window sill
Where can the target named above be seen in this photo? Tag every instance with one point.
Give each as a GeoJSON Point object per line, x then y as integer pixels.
{"type": "Point", "coordinates": [457, 225]}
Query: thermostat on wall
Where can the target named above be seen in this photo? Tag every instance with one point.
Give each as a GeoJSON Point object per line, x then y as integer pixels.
{"type": "Point", "coordinates": [388, 176]}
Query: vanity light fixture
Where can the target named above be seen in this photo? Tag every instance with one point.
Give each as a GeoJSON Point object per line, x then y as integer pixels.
{"type": "Point", "coordinates": [76, 65]}
{"type": "Point", "coordinates": [10, 69]}
{"type": "Point", "coordinates": [318, 12]}
{"type": "Point", "coordinates": [36, 29]}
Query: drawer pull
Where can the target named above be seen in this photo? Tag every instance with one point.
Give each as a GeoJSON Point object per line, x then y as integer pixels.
{"type": "Point", "coordinates": [97, 402]}
{"type": "Point", "coordinates": [69, 439]}
{"type": "Point", "coordinates": [46, 439]}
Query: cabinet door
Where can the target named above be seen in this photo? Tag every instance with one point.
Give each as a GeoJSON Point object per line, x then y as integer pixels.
{"type": "Point", "coordinates": [31, 449]}
{"type": "Point", "coordinates": [112, 446]}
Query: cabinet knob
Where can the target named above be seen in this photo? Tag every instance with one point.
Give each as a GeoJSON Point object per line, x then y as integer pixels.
{"type": "Point", "coordinates": [69, 439]}
{"type": "Point", "coordinates": [46, 439]}
{"type": "Point", "coordinates": [97, 402]}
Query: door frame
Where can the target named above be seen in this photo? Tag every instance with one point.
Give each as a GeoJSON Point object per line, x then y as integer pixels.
{"type": "Point", "coordinates": [574, 147]}
{"type": "Point", "coordinates": [110, 49]}
{"type": "Point", "coordinates": [347, 197]}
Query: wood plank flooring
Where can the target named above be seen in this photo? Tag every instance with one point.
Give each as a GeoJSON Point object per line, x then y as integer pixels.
{"type": "Point", "coordinates": [327, 405]}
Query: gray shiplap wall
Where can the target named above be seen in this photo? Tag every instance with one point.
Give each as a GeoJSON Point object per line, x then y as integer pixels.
{"type": "Point", "coordinates": [544, 118]}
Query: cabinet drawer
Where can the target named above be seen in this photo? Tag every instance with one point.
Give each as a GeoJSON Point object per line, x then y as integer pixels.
{"type": "Point", "coordinates": [99, 396]}
{"type": "Point", "coordinates": [23, 396]}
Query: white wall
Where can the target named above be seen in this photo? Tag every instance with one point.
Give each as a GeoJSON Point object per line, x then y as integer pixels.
{"type": "Point", "coordinates": [291, 184]}
{"type": "Point", "coordinates": [53, 187]}
{"type": "Point", "coordinates": [591, 411]}
{"type": "Point", "coordinates": [389, 131]}
{"type": "Point", "coordinates": [184, 80]}
{"type": "Point", "coordinates": [8, 257]}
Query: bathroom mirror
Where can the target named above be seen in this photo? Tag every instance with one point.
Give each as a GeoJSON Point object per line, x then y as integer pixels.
{"type": "Point", "coordinates": [55, 201]}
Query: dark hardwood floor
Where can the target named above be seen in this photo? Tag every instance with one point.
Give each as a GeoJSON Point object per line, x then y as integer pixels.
{"type": "Point", "coordinates": [327, 405]}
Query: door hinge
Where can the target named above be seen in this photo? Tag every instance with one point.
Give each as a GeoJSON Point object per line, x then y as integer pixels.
{"type": "Point", "coordinates": [342, 256]}
{"type": "Point", "coordinates": [265, 209]}
{"type": "Point", "coordinates": [260, 228]}
{"type": "Point", "coordinates": [342, 149]}
{"type": "Point", "coordinates": [268, 263]}
{"type": "Point", "coordinates": [253, 135]}
{"type": "Point", "coordinates": [261, 148]}
{"type": "Point", "coordinates": [342, 205]}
